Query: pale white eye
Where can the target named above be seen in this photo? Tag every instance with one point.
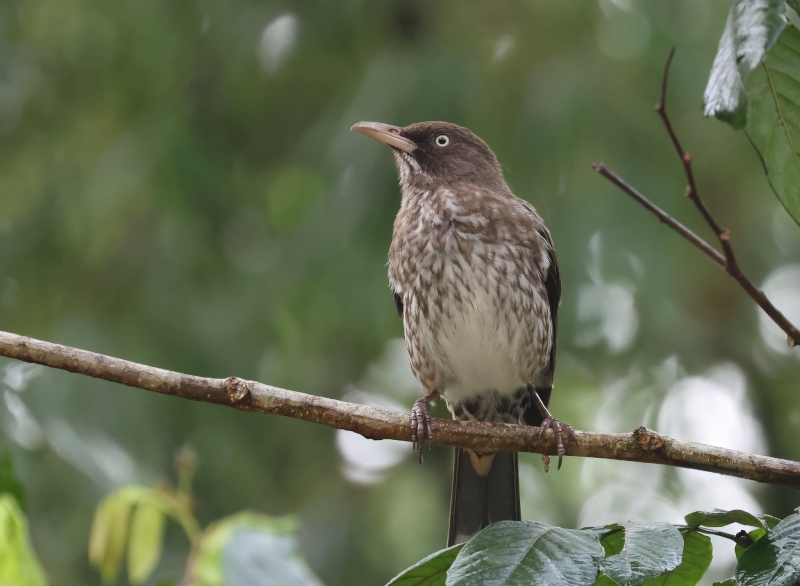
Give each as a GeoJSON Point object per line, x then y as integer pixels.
{"type": "Point", "coordinates": [442, 140]}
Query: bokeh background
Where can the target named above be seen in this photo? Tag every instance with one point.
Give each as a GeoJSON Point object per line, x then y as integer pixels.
{"type": "Point", "coordinates": [179, 187]}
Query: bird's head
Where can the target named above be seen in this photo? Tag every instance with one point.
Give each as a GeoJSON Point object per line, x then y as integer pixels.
{"type": "Point", "coordinates": [434, 152]}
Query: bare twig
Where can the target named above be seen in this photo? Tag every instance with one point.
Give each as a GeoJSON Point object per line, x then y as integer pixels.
{"type": "Point", "coordinates": [663, 216]}
{"type": "Point", "coordinates": [726, 260]}
{"type": "Point", "coordinates": [642, 445]}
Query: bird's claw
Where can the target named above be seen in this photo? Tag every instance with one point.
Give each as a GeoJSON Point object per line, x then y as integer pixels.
{"type": "Point", "coordinates": [420, 425]}
{"type": "Point", "coordinates": [558, 429]}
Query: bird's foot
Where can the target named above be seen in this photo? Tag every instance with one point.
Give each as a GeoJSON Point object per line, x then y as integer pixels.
{"type": "Point", "coordinates": [559, 429]}
{"type": "Point", "coordinates": [421, 424]}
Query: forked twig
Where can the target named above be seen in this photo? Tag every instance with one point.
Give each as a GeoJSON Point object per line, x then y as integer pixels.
{"type": "Point", "coordinates": [727, 260]}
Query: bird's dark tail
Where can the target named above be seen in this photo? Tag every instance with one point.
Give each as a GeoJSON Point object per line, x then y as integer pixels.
{"type": "Point", "coordinates": [477, 500]}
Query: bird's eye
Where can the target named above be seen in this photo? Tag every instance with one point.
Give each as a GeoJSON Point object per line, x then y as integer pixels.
{"type": "Point", "coordinates": [442, 140]}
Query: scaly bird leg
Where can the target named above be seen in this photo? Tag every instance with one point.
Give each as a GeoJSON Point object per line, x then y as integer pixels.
{"type": "Point", "coordinates": [550, 422]}
{"type": "Point", "coordinates": [421, 422]}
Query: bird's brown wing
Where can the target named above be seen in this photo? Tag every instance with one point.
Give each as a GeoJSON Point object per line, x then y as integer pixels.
{"type": "Point", "coordinates": [540, 238]}
{"type": "Point", "coordinates": [552, 286]}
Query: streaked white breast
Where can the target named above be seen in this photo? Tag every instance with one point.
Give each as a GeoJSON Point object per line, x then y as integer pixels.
{"type": "Point", "coordinates": [479, 344]}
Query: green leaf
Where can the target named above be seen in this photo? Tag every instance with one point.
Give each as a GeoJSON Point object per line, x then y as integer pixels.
{"type": "Point", "coordinates": [769, 520]}
{"type": "Point", "coordinates": [9, 483]}
{"type": "Point", "coordinates": [109, 532]}
{"type": "Point", "coordinates": [432, 571]}
{"type": "Point", "coordinates": [18, 563]}
{"type": "Point", "coordinates": [738, 550]}
{"type": "Point", "coordinates": [110, 529]}
{"type": "Point", "coordinates": [720, 518]}
{"type": "Point", "coordinates": [614, 540]}
{"type": "Point", "coordinates": [794, 5]}
{"type": "Point", "coordinates": [752, 28]}
{"type": "Point", "coordinates": [728, 582]}
{"type": "Point", "coordinates": [603, 580]}
{"type": "Point", "coordinates": [773, 560]}
{"type": "Point", "coordinates": [144, 542]}
{"type": "Point", "coordinates": [119, 518]}
{"type": "Point", "coordinates": [651, 549]}
{"type": "Point", "coordinates": [511, 553]}
{"type": "Point", "coordinates": [697, 553]}
{"type": "Point", "coordinates": [755, 535]}
{"type": "Point", "coordinates": [774, 118]}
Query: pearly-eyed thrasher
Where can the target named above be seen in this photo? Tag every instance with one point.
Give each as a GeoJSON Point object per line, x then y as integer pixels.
{"type": "Point", "coordinates": [476, 282]}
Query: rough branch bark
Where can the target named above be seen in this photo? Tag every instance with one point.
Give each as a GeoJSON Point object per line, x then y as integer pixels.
{"type": "Point", "coordinates": [642, 445]}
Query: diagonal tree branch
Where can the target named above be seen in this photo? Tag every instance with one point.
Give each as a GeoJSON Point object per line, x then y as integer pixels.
{"type": "Point", "coordinates": [726, 260]}
{"type": "Point", "coordinates": [643, 445]}
{"type": "Point", "coordinates": [662, 216]}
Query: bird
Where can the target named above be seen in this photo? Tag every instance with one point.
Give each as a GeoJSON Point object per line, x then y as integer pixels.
{"type": "Point", "coordinates": [476, 281]}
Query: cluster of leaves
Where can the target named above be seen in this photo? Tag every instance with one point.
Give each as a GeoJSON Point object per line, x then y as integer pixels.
{"type": "Point", "coordinates": [246, 544]}
{"type": "Point", "coordinates": [132, 518]}
{"type": "Point", "coordinates": [755, 85]}
{"type": "Point", "coordinates": [245, 548]}
{"type": "Point", "coordinates": [18, 563]}
{"type": "Point", "coordinates": [628, 554]}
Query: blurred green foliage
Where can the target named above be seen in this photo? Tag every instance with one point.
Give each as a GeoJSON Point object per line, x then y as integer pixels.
{"type": "Point", "coordinates": [249, 548]}
{"type": "Point", "coordinates": [18, 563]}
{"type": "Point", "coordinates": [244, 548]}
{"type": "Point", "coordinates": [131, 521]}
{"type": "Point", "coordinates": [179, 187]}
{"type": "Point", "coordinates": [9, 483]}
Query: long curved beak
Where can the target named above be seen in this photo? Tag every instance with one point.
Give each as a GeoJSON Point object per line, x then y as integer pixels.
{"type": "Point", "coordinates": [385, 133]}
